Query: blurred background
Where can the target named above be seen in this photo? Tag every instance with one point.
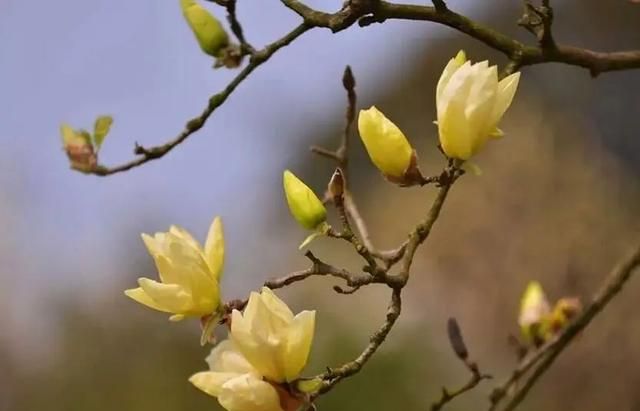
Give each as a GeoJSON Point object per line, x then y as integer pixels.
{"type": "Point", "coordinates": [558, 201]}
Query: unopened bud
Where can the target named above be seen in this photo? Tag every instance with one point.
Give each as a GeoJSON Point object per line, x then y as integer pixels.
{"type": "Point", "coordinates": [79, 148]}
{"type": "Point", "coordinates": [534, 311]}
{"type": "Point", "coordinates": [304, 205]}
{"type": "Point", "coordinates": [388, 148]}
{"type": "Point", "coordinates": [211, 36]}
{"type": "Point", "coordinates": [336, 184]}
{"type": "Point", "coordinates": [563, 312]}
{"type": "Point", "coordinates": [456, 340]}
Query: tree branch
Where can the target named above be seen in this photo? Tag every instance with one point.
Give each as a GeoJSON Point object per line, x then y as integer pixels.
{"type": "Point", "coordinates": [320, 268]}
{"type": "Point", "coordinates": [611, 286]}
{"type": "Point", "coordinates": [367, 12]}
{"type": "Point", "coordinates": [196, 123]}
{"type": "Point", "coordinates": [422, 230]}
{"type": "Point", "coordinates": [596, 62]}
{"type": "Point", "coordinates": [335, 375]}
{"type": "Point", "coordinates": [460, 349]}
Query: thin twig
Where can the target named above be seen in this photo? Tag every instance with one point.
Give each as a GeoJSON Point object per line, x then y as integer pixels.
{"type": "Point", "coordinates": [236, 27]}
{"type": "Point", "coordinates": [335, 375]}
{"type": "Point", "coordinates": [422, 230]}
{"type": "Point", "coordinates": [320, 268]}
{"type": "Point", "coordinates": [367, 12]}
{"type": "Point", "coordinates": [460, 349]}
{"type": "Point", "coordinates": [344, 203]}
{"type": "Point", "coordinates": [195, 124]}
{"type": "Point", "coordinates": [524, 365]}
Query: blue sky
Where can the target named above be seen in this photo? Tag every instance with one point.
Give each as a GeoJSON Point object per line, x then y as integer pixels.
{"type": "Point", "coordinates": [71, 60]}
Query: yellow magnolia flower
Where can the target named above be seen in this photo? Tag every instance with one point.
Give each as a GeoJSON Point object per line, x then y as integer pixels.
{"type": "Point", "coordinates": [386, 145]}
{"type": "Point", "coordinates": [470, 102]}
{"type": "Point", "coordinates": [210, 34]}
{"type": "Point", "coordinates": [237, 385]}
{"type": "Point", "coordinates": [304, 205]}
{"type": "Point", "coordinates": [274, 341]}
{"type": "Point", "coordinates": [189, 274]}
{"type": "Point", "coordinates": [534, 313]}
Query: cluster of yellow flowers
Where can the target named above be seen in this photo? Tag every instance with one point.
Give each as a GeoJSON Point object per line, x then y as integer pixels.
{"type": "Point", "coordinates": [258, 367]}
{"type": "Point", "coordinates": [267, 346]}
{"type": "Point", "coordinates": [470, 102]}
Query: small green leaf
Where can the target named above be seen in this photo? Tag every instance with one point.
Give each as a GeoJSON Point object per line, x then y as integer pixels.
{"type": "Point", "coordinates": [101, 129]}
{"type": "Point", "coordinates": [472, 168]}
{"type": "Point", "coordinates": [309, 386]}
{"type": "Point", "coordinates": [208, 328]}
{"type": "Point", "coordinates": [84, 135]}
{"type": "Point", "coordinates": [321, 230]}
{"type": "Point", "coordinates": [72, 137]}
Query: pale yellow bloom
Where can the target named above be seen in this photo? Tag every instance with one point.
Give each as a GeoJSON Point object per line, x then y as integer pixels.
{"type": "Point", "coordinates": [210, 34]}
{"type": "Point", "coordinates": [470, 102]}
{"type": "Point", "coordinates": [237, 385]}
{"type": "Point", "coordinates": [386, 145]}
{"type": "Point", "coordinates": [304, 205]}
{"type": "Point", "coordinates": [534, 312]}
{"type": "Point", "coordinates": [189, 274]}
{"type": "Point", "coordinates": [274, 341]}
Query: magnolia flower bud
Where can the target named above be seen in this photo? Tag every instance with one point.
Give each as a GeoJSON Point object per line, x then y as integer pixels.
{"type": "Point", "coordinates": [563, 312]}
{"type": "Point", "coordinates": [470, 102]}
{"type": "Point", "coordinates": [189, 274]}
{"type": "Point", "coordinates": [534, 311]}
{"type": "Point", "coordinates": [274, 341]}
{"type": "Point", "coordinates": [304, 205]}
{"type": "Point", "coordinates": [211, 36]}
{"type": "Point", "coordinates": [235, 382]}
{"type": "Point", "coordinates": [387, 147]}
{"type": "Point", "coordinates": [336, 185]}
{"type": "Point", "coordinates": [79, 148]}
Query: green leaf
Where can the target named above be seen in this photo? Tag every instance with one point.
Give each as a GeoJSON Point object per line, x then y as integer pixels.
{"type": "Point", "coordinates": [85, 136]}
{"type": "Point", "coordinates": [309, 386]}
{"type": "Point", "coordinates": [71, 137]}
{"type": "Point", "coordinates": [208, 328]}
{"type": "Point", "coordinates": [101, 129]}
{"type": "Point", "coordinates": [472, 168]}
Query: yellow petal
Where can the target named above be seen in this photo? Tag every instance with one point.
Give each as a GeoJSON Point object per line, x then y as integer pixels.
{"type": "Point", "coordinates": [299, 339]}
{"type": "Point", "coordinates": [451, 67]}
{"type": "Point", "coordinates": [457, 86]}
{"type": "Point", "coordinates": [211, 382]}
{"type": "Point", "coordinates": [214, 248]}
{"type": "Point", "coordinates": [170, 296]}
{"type": "Point", "coordinates": [480, 103]}
{"type": "Point", "coordinates": [255, 346]}
{"type": "Point", "coordinates": [304, 205]}
{"type": "Point", "coordinates": [534, 308]}
{"type": "Point", "coordinates": [456, 135]}
{"type": "Point", "coordinates": [205, 292]}
{"type": "Point", "coordinates": [225, 357]}
{"type": "Point", "coordinates": [276, 306]}
{"type": "Point", "coordinates": [386, 145]}
{"type": "Point", "coordinates": [185, 236]}
{"type": "Point", "coordinates": [140, 296]}
{"type": "Point", "coordinates": [249, 393]}
{"type": "Point", "coordinates": [158, 247]}
{"type": "Point", "coordinates": [191, 271]}
{"type": "Point", "coordinates": [507, 88]}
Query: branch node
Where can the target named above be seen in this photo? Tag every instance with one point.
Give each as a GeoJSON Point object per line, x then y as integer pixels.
{"type": "Point", "coordinates": [538, 20]}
